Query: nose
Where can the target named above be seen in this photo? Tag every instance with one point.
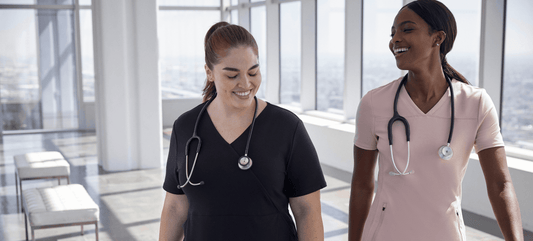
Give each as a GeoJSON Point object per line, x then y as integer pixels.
{"type": "Point", "coordinates": [245, 81]}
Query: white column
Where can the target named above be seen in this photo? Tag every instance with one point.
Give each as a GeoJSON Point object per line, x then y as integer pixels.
{"type": "Point", "coordinates": [491, 49]}
{"type": "Point", "coordinates": [272, 88]}
{"type": "Point", "coordinates": [225, 15]}
{"type": "Point", "coordinates": [353, 56]}
{"type": "Point", "coordinates": [308, 68]}
{"type": "Point", "coordinates": [244, 14]}
{"type": "Point", "coordinates": [128, 97]}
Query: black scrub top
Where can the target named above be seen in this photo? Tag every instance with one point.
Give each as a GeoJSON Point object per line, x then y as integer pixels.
{"type": "Point", "coordinates": [235, 204]}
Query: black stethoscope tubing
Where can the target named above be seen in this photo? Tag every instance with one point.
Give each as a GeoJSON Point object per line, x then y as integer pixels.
{"type": "Point", "coordinates": [244, 163]}
{"type": "Point", "coordinates": [445, 152]}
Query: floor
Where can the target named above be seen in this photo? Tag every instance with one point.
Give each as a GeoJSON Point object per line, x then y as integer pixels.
{"type": "Point", "coordinates": [131, 202]}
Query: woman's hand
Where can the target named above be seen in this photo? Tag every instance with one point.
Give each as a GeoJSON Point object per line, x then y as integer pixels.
{"type": "Point", "coordinates": [308, 215]}
{"type": "Point", "coordinates": [501, 192]}
{"type": "Point", "coordinates": [173, 217]}
{"type": "Point", "coordinates": [362, 191]}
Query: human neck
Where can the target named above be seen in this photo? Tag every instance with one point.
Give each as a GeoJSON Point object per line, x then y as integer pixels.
{"type": "Point", "coordinates": [226, 111]}
{"type": "Point", "coordinates": [425, 85]}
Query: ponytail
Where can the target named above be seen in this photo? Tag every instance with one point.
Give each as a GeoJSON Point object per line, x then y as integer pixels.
{"type": "Point", "coordinates": [439, 18]}
{"type": "Point", "coordinates": [451, 72]}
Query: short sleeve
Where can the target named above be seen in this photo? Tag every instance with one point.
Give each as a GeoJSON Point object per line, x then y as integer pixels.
{"type": "Point", "coordinates": [488, 133]}
{"type": "Point", "coordinates": [304, 174]}
{"type": "Point", "coordinates": [365, 137]}
{"type": "Point", "coordinates": [171, 178]}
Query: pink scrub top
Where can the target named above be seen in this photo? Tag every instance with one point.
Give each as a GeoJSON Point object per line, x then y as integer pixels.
{"type": "Point", "coordinates": [424, 205]}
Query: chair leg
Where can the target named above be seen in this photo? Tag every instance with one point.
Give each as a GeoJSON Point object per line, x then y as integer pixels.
{"type": "Point", "coordinates": [32, 234]}
{"type": "Point", "coordinates": [96, 229]}
{"type": "Point", "coordinates": [21, 203]}
{"type": "Point", "coordinates": [16, 184]}
{"type": "Point", "coordinates": [26, 225]}
{"type": "Point", "coordinates": [68, 180]}
{"type": "Point", "coordinates": [81, 229]}
{"type": "Point", "coordinates": [58, 181]}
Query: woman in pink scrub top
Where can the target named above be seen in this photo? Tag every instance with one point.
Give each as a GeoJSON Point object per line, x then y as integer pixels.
{"type": "Point", "coordinates": [420, 199]}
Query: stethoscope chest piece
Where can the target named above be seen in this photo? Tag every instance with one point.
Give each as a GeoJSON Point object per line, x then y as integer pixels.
{"type": "Point", "coordinates": [245, 163]}
{"type": "Point", "coordinates": [446, 152]}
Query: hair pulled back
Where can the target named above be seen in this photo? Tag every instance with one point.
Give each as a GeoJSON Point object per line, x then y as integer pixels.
{"type": "Point", "coordinates": [220, 38]}
{"type": "Point", "coordinates": [439, 18]}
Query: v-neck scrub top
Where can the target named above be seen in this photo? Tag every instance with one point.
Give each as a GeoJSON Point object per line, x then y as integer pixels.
{"type": "Point", "coordinates": [424, 205]}
{"type": "Point", "coordinates": [236, 204]}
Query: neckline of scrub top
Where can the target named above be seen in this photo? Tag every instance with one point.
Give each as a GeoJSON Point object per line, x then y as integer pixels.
{"type": "Point", "coordinates": [435, 108]}
{"type": "Point", "coordinates": [240, 135]}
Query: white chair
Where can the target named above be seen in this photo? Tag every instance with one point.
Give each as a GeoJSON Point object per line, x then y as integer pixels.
{"type": "Point", "coordinates": [59, 206]}
{"type": "Point", "coordinates": [40, 165]}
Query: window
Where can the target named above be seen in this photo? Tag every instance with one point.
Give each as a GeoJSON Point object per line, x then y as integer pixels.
{"type": "Point", "coordinates": [290, 52]}
{"type": "Point", "coordinates": [517, 106]}
{"type": "Point", "coordinates": [464, 56]}
{"type": "Point", "coordinates": [379, 65]}
{"type": "Point", "coordinates": [181, 51]}
{"type": "Point", "coordinates": [258, 30]}
{"type": "Point", "coordinates": [38, 82]}
{"type": "Point", "coordinates": [87, 54]}
{"type": "Point", "coordinates": [234, 14]}
{"type": "Point", "coordinates": [189, 3]}
{"type": "Point", "coordinates": [330, 55]}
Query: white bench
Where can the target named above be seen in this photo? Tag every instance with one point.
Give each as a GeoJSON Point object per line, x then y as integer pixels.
{"type": "Point", "coordinates": [59, 206]}
{"type": "Point", "coordinates": [40, 165]}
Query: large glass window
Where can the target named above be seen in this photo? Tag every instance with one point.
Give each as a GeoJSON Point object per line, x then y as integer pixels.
{"type": "Point", "coordinates": [290, 52]}
{"type": "Point", "coordinates": [189, 3]}
{"type": "Point", "coordinates": [38, 72]}
{"type": "Point", "coordinates": [258, 29]}
{"type": "Point", "coordinates": [234, 15]}
{"type": "Point", "coordinates": [330, 55]}
{"type": "Point", "coordinates": [87, 54]}
{"type": "Point", "coordinates": [464, 56]}
{"type": "Point", "coordinates": [379, 65]}
{"type": "Point", "coordinates": [181, 51]}
{"type": "Point", "coordinates": [517, 106]}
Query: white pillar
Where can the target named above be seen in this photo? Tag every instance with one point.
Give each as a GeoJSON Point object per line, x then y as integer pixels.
{"type": "Point", "coordinates": [128, 97]}
{"type": "Point", "coordinates": [353, 46]}
{"type": "Point", "coordinates": [491, 49]}
{"type": "Point", "coordinates": [272, 88]}
{"type": "Point", "coordinates": [308, 68]}
{"type": "Point", "coordinates": [244, 14]}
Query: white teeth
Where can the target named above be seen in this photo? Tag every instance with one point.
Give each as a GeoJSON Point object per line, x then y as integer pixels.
{"type": "Point", "coordinates": [400, 50]}
{"type": "Point", "coordinates": [242, 93]}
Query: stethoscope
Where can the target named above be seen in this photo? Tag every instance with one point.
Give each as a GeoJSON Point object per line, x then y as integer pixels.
{"type": "Point", "coordinates": [445, 152]}
{"type": "Point", "coordinates": [244, 163]}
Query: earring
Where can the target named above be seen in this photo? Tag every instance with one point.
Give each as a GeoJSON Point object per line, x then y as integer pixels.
{"type": "Point", "coordinates": [438, 44]}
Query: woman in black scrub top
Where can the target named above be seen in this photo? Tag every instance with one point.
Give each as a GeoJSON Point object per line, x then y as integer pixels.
{"type": "Point", "coordinates": [232, 202]}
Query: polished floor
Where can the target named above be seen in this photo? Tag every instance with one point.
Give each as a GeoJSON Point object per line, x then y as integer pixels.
{"type": "Point", "coordinates": [131, 202]}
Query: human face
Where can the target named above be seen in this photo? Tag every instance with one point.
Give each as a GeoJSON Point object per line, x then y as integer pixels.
{"type": "Point", "coordinates": [411, 44]}
{"type": "Point", "coordinates": [237, 77]}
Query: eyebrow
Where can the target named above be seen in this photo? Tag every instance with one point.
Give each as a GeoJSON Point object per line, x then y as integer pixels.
{"type": "Point", "coordinates": [405, 22]}
{"type": "Point", "coordinates": [237, 70]}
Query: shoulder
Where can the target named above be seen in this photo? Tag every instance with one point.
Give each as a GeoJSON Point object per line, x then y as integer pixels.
{"type": "Point", "coordinates": [281, 114]}
{"type": "Point", "coordinates": [379, 100]}
{"type": "Point", "coordinates": [189, 116]}
{"type": "Point", "coordinates": [470, 100]}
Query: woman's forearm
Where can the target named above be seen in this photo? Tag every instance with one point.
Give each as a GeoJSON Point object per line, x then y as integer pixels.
{"type": "Point", "coordinates": [505, 206]}
{"type": "Point", "coordinates": [310, 227]}
{"type": "Point", "coordinates": [360, 201]}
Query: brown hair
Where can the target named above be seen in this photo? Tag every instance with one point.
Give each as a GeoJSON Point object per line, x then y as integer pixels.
{"type": "Point", "coordinates": [220, 38]}
{"type": "Point", "coordinates": [439, 18]}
